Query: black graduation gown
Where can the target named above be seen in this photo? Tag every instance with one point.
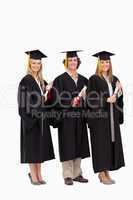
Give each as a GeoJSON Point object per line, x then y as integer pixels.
{"type": "Point", "coordinates": [106, 155]}
{"type": "Point", "coordinates": [72, 129]}
{"type": "Point", "coordinates": [36, 142]}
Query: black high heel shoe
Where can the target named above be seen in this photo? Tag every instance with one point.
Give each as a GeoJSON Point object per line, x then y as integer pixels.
{"type": "Point", "coordinates": [42, 182]}
{"type": "Point", "coordinates": [32, 182]}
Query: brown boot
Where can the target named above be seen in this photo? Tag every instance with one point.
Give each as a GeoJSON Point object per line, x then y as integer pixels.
{"type": "Point", "coordinates": [68, 181]}
{"type": "Point", "coordinates": [80, 179]}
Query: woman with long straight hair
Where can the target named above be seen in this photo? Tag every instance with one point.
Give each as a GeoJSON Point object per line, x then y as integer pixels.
{"type": "Point", "coordinates": [36, 141]}
{"type": "Point", "coordinates": [105, 103]}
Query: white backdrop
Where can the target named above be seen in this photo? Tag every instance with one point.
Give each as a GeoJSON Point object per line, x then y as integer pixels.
{"type": "Point", "coordinates": [54, 26]}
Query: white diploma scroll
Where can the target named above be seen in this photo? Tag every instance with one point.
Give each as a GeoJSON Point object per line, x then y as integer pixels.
{"type": "Point", "coordinates": [82, 91]}
{"type": "Point", "coordinates": [118, 92]}
{"type": "Point", "coordinates": [76, 100]}
{"type": "Point", "coordinates": [48, 88]}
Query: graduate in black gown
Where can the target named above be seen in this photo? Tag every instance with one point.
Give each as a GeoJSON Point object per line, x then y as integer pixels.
{"type": "Point", "coordinates": [72, 129]}
{"type": "Point", "coordinates": [36, 141]}
{"type": "Point", "coordinates": [105, 102]}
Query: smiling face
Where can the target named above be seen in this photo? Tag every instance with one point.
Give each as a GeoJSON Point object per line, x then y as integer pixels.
{"type": "Point", "coordinates": [72, 63]}
{"type": "Point", "coordinates": [35, 65]}
{"type": "Point", "coordinates": [105, 65]}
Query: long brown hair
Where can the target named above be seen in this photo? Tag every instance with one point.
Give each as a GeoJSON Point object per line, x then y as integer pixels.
{"type": "Point", "coordinates": [39, 74]}
{"type": "Point", "coordinates": [99, 70]}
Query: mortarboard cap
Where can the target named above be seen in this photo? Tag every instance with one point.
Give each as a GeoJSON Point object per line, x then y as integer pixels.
{"type": "Point", "coordinates": [103, 55]}
{"type": "Point", "coordinates": [36, 54]}
{"type": "Point", "coordinates": [70, 54]}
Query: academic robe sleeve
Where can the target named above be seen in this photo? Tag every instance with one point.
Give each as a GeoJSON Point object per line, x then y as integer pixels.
{"type": "Point", "coordinates": [94, 99]}
{"type": "Point", "coordinates": [86, 81]}
{"type": "Point", "coordinates": [55, 93]}
{"type": "Point", "coordinates": [120, 105]}
{"type": "Point", "coordinates": [24, 111]}
{"type": "Point", "coordinates": [55, 103]}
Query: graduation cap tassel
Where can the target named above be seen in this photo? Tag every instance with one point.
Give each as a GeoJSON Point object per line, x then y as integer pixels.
{"type": "Point", "coordinates": [65, 64]}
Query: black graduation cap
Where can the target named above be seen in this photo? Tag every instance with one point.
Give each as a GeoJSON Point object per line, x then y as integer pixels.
{"type": "Point", "coordinates": [70, 54]}
{"type": "Point", "coordinates": [36, 54]}
{"type": "Point", "coordinates": [103, 55]}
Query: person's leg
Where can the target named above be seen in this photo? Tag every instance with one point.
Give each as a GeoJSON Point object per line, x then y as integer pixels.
{"type": "Point", "coordinates": [39, 175]}
{"type": "Point", "coordinates": [102, 176]}
{"type": "Point", "coordinates": [39, 172]}
{"type": "Point", "coordinates": [33, 172]}
{"type": "Point", "coordinates": [67, 170]}
{"type": "Point", "coordinates": [77, 168]}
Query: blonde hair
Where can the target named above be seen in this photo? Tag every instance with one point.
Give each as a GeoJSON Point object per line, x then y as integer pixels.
{"type": "Point", "coordinates": [39, 74]}
{"type": "Point", "coordinates": [99, 70]}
